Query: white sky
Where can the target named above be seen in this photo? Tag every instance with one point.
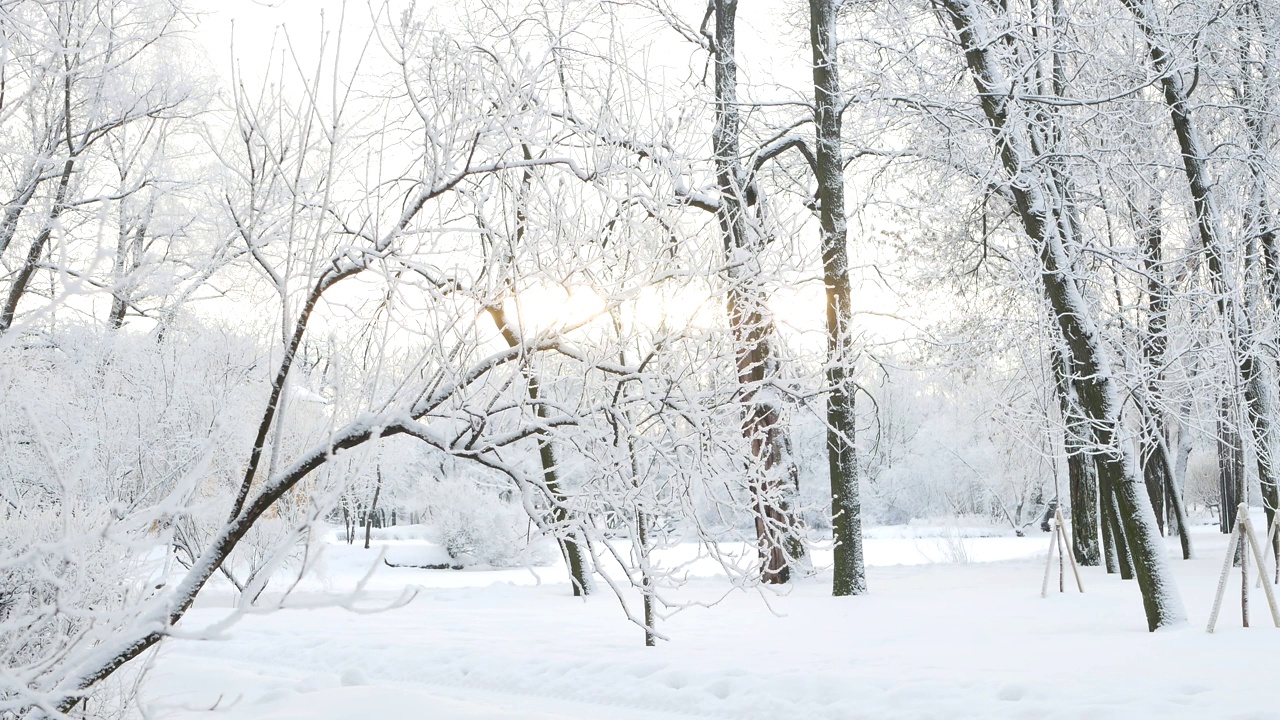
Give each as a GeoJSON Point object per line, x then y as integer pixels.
{"type": "Point", "coordinates": [256, 22]}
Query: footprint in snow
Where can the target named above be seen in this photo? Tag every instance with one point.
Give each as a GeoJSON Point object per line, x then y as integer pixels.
{"type": "Point", "coordinates": [721, 688]}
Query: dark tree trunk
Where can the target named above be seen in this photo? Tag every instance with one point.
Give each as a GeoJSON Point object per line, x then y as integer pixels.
{"type": "Point", "coordinates": [373, 509]}
{"type": "Point", "coordinates": [1153, 474]}
{"type": "Point", "coordinates": [846, 506]}
{"type": "Point", "coordinates": [15, 207]}
{"type": "Point", "coordinates": [1157, 469]}
{"type": "Point", "coordinates": [1082, 474]}
{"type": "Point", "coordinates": [1119, 537]}
{"type": "Point", "coordinates": [19, 286]}
{"type": "Point", "coordinates": [20, 282]}
{"type": "Point", "coordinates": [564, 522]}
{"type": "Point", "coordinates": [1258, 55]}
{"type": "Point", "coordinates": [1110, 549]}
{"type": "Point", "coordinates": [566, 531]}
{"type": "Point", "coordinates": [1231, 472]}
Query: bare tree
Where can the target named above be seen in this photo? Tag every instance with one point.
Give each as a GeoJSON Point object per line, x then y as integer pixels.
{"type": "Point", "coordinates": [81, 78]}
{"type": "Point", "coordinates": [1040, 202]}
{"type": "Point", "coordinates": [1250, 366]}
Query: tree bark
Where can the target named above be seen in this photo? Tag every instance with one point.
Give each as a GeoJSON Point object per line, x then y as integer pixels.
{"type": "Point", "coordinates": [1082, 474]}
{"type": "Point", "coordinates": [575, 555]}
{"type": "Point", "coordinates": [1110, 546]}
{"type": "Point", "coordinates": [23, 278]}
{"type": "Point", "coordinates": [565, 523]}
{"type": "Point", "coordinates": [1261, 254]}
{"type": "Point", "coordinates": [129, 249]}
{"type": "Point", "coordinates": [1231, 473]}
{"type": "Point", "coordinates": [566, 535]}
{"type": "Point", "coordinates": [1157, 469]}
{"type": "Point", "coordinates": [1119, 537]}
{"type": "Point", "coordinates": [846, 506]}
{"type": "Point", "coordinates": [373, 508]}
{"type": "Point", "coordinates": [19, 286]}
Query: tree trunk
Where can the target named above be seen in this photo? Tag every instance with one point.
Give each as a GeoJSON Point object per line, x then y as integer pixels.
{"type": "Point", "coordinates": [770, 474]}
{"type": "Point", "coordinates": [1157, 469]}
{"type": "Point", "coordinates": [1183, 444]}
{"type": "Point", "coordinates": [1110, 546]}
{"type": "Point", "coordinates": [566, 534]}
{"type": "Point", "coordinates": [1258, 56]}
{"type": "Point", "coordinates": [1119, 537]}
{"type": "Point", "coordinates": [129, 249]}
{"type": "Point", "coordinates": [1153, 475]}
{"type": "Point", "coordinates": [846, 506]}
{"type": "Point", "coordinates": [565, 523]}
{"type": "Point", "coordinates": [1082, 474]}
{"type": "Point", "coordinates": [373, 508]}
{"type": "Point", "coordinates": [15, 207]}
{"type": "Point", "coordinates": [19, 286]}
{"type": "Point", "coordinates": [1231, 473]}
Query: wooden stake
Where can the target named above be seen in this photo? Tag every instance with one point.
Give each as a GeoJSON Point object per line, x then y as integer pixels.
{"type": "Point", "coordinates": [1048, 568]}
{"type": "Point", "coordinates": [1244, 536]}
{"type": "Point", "coordinates": [1266, 586]}
{"type": "Point", "coordinates": [1062, 528]}
{"type": "Point", "coordinates": [1268, 552]}
{"type": "Point", "coordinates": [1222, 579]}
{"type": "Point", "coordinates": [1059, 541]}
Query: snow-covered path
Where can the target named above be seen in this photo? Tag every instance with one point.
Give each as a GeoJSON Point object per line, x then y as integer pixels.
{"type": "Point", "coordinates": [931, 641]}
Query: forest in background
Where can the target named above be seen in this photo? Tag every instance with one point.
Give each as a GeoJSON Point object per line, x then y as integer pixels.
{"type": "Point", "coordinates": [589, 280]}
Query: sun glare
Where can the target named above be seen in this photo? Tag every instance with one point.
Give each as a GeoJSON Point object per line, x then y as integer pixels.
{"type": "Point", "coordinates": [558, 308]}
{"type": "Point", "coordinates": [555, 307]}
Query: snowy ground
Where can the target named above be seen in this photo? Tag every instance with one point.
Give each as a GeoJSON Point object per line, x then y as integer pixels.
{"type": "Point", "coordinates": [933, 640]}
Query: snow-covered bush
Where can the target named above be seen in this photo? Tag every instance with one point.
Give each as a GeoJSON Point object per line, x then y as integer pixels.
{"type": "Point", "coordinates": [53, 597]}
{"type": "Point", "coordinates": [113, 465]}
{"type": "Point", "coordinates": [477, 527]}
{"type": "Point", "coordinates": [1201, 484]}
{"type": "Point", "coordinates": [953, 448]}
